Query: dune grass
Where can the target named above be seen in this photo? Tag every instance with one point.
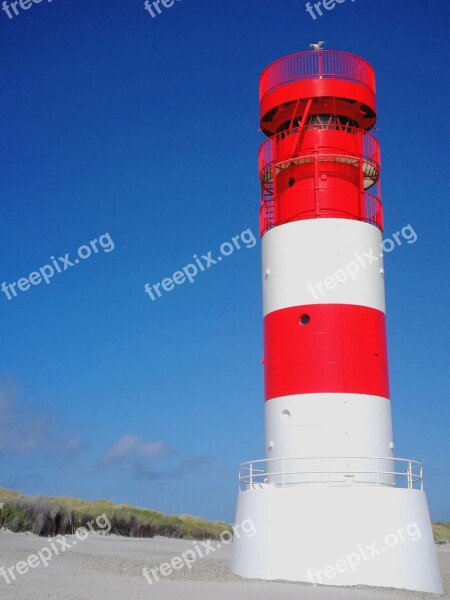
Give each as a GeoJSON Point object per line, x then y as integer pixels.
{"type": "Point", "coordinates": [441, 531]}
{"type": "Point", "coordinates": [52, 516]}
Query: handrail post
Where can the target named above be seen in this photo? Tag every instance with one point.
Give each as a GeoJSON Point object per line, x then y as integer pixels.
{"type": "Point", "coordinates": [251, 475]}
{"type": "Point", "coordinates": [378, 471]}
{"type": "Point", "coordinates": [421, 477]}
{"type": "Point", "coordinates": [282, 467]}
{"type": "Point", "coordinates": [409, 475]}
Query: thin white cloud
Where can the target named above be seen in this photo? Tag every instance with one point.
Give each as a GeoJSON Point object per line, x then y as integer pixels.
{"type": "Point", "coordinates": [132, 447]}
{"type": "Point", "coordinates": [187, 466]}
{"type": "Point", "coordinates": [26, 432]}
{"type": "Point", "coordinates": [136, 457]}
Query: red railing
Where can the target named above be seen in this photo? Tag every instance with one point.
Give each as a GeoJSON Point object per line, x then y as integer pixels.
{"type": "Point", "coordinates": [269, 152]}
{"type": "Point", "coordinates": [316, 63]}
{"type": "Point", "coordinates": [372, 212]}
{"type": "Point", "coordinates": [373, 209]}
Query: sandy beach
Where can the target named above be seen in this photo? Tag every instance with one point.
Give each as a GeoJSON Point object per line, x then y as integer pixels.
{"type": "Point", "coordinates": [110, 567]}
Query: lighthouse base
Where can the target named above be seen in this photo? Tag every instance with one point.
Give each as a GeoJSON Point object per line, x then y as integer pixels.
{"type": "Point", "coordinates": [341, 536]}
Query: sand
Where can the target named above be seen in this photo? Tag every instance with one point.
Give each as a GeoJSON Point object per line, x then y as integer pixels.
{"type": "Point", "coordinates": [110, 567]}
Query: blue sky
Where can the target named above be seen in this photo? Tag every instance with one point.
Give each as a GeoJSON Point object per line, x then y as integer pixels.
{"type": "Point", "coordinates": [147, 129]}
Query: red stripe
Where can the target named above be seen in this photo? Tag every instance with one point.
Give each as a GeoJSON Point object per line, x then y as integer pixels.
{"type": "Point", "coordinates": [342, 349]}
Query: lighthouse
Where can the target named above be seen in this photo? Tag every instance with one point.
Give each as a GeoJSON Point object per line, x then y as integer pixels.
{"type": "Point", "coordinates": [330, 502]}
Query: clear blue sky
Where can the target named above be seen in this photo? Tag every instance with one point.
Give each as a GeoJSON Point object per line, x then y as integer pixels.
{"type": "Point", "coordinates": [147, 129]}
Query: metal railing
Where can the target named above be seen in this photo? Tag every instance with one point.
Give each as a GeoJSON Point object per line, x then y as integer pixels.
{"type": "Point", "coordinates": [370, 210]}
{"type": "Point", "coordinates": [313, 64]}
{"type": "Point", "coordinates": [373, 210]}
{"type": "Point", "coordinates": [276, 149]}
{"type": "Point", "coordinates": [332, 472]}
{"type": "Point", "coordinates": [293, 147]}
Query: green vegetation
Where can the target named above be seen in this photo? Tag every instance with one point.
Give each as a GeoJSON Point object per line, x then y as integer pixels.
{"type": "Point", "coordinates": [441, 531]}
{"type": "Point", "coordinates": [53, 516]}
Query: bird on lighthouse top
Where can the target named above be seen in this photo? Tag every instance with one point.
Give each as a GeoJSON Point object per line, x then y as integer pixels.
{"type": "Point", "coordinates": [317, 46]}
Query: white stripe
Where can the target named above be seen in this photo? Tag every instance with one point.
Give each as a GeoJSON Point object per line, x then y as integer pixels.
{"type": "Point", "coordinates": [305, 425]}
{"type": "Point", "coordinates": [321, 252]}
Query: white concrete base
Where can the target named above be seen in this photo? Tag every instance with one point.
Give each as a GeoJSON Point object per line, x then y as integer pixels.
{"type": "Point", "coordinates": [328, 535]}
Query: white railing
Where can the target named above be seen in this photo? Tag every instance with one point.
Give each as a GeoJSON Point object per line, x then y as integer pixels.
{"type": "Point", "coordinates": [331, 471]}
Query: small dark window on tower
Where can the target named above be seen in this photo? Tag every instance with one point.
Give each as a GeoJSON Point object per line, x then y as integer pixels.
{"type": "Point", "coordinates": [305, 319]}
{"type": "Point", "coordinates": [291, 182]}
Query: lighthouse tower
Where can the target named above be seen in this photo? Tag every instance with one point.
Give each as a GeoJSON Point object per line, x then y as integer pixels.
{"type": "Point", "coordinates": [330, 502]}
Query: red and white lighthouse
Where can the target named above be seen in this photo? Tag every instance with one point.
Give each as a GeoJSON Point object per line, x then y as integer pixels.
{"type": "Point", "coordinates": [329, 483]}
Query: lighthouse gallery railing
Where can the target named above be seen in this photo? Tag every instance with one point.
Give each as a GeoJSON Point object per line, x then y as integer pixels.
{"type": "Point", "coordinates": [323, 63]}
{"type": "Point", "coordinates": [289, 472]}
